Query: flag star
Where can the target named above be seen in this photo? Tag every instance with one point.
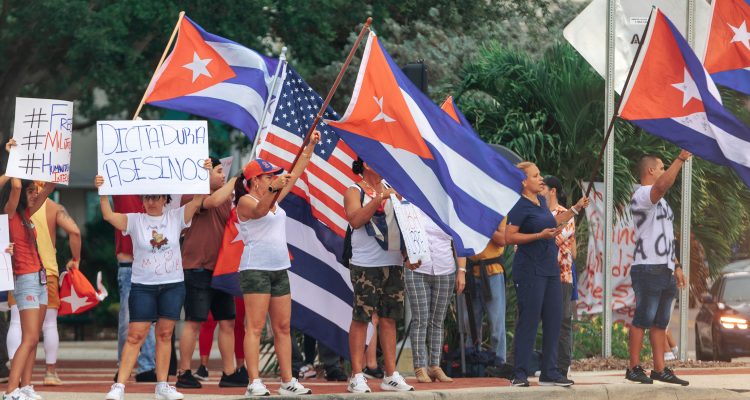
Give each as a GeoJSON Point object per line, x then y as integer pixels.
{"type": "Point", "coordinates": [289, 103]}
{"type": "Point", "coordinates": [281, 106]}
{"type": "Point", "coordinates": [741, 34]}
{"type": "Point", "coordinates": [329, 140]}
{"type": "Point", "coordinates": [292, 112]}
{"type": "Point", "coordinates": [309, 107]}
{"type": "Point", "coordinates": [198, 66]}
{"type": "Point", "coordinates": [296, 89]}
{"type": "Point", "coordinates": [237, 238]}
{"type": "Point", "coordinates": [386, 118]}
{"type": "Point", "coordinates": [688, 88]}
{"type": "Point", "coordinates": [283, 116]}
{"type": "Point", "coordinates": [75, 301]}
{"type": "Point", "coordinates": [309, 89]}
{"type": "Point", "coordinates": [296, 121]}
{"type": "Point", "coordinates": [276, 119]}
{"type": "Point", "coordinates": [322, 151]}
{"type": "Point", "coordinates": [288, 124]}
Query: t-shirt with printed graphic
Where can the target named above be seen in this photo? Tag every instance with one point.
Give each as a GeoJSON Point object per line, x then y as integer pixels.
{"type": "Point", "coordinates": [654, 230]}
{"type": "Point", "coordinates": [156, 246]}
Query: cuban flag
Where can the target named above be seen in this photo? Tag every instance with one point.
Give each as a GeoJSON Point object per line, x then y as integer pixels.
{"type": "Point", "coordinates": [727, 55]}
{"type": "Point", "coordinates": [449, 106]}
{"type": "Point", "coordinates": [214, 77]}
{"type": "Point", "coordinates": [429, 158]}
{"type": "Point", "coordinates": [673, 97]}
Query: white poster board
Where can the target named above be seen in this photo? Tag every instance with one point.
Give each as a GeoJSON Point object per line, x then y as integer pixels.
{"type": "Point", "coordinates": [43, 131]}
{"type": "Point", "coordinates": [226, 164]}
{"type": "Point", "coordinates": [6, 266]}
{"type": "Point", "coordinates": [415, 237]}
{"type": "Point", "coordinates": [591, 282]}
{"type": "Point", "coordinates": [152, 157]}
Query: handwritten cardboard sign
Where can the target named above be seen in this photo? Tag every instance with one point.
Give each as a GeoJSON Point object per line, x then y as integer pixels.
{"type": "Point", "coordinates": [6, 267]}
{"type": "Point", "coordinates": [43, 132]}
{"type": "Point", "coordinates": [153, 157]}
{"type": "Point", "coordinates": [591, 283]}
{"type": "Point", "coordinates": [415, 237]}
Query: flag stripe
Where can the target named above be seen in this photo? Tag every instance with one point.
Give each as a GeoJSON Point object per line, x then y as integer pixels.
{"type": "Point", "coordinates": [208, 107]}
{"type": "Point", "coordinates": [240, 56]}
{"type": "Point", "coordinates": [244, 96]}
{"type": "Point", "coordinates": [252, 78]}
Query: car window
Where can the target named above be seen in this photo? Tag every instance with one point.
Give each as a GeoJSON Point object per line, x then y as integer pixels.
{"type": "Point", "coordinates": [736, 290]}
{"type": "Point", "coordinates": [715, 288]}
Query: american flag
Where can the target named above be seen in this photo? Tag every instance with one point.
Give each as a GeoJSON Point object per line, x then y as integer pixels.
{"type": "Point", "coordinates": [329, 173]}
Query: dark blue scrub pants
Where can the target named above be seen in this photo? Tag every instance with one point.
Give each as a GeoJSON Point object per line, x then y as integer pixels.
{"type": "Point", "coordinates": [538, 298]}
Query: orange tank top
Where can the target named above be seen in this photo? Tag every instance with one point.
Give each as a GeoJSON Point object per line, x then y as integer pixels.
{"type": "Point", "coordinates": [25, 256]}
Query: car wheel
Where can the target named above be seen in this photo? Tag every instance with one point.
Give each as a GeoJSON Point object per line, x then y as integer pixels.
{"type": "Point", "coordinates": [700, 353]}
{"type": "Point", "coordinates": [718, 354]}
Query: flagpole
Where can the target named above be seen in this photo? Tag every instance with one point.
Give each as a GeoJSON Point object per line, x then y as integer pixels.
{"type": "Point", "coordinates": [256, 142]}
{"type": "Point", "coordinates": [611, 125]}
{"type": "Point", "coordinates": [329, 97]}
{"type": "Point", "coordinates": [161, 61]}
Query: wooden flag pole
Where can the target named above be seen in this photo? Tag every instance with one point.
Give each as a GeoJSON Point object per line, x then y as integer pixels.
{"type": "Point", "coordinates": [161, 61]}
{"type": "Point", "coordinates": [611, 126]}
{"type": "Point", "coordinates": [328, 98]}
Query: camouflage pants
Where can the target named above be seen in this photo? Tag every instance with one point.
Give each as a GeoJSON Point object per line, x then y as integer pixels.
{"type": "Point", "coordinates": [377, 290]}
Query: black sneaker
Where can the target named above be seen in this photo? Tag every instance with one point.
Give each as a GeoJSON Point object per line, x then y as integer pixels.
{"type": "Point", "coordinates": [337, 375]}
{"type": "Point", "coordinates": [668, 376]}
{"type": "Point", "coordinates": [519, 382]}
{"type": "Point", "coordinates": [233, 380]}
{"type": "Point", "coordinates": [201, 373]}
{"type": "Point", "coordinates": [242, 371]}
{"type": "Point", "coordinates": [146, 376]}
{"type": "Point", "coordinates": [373, 373]}
{"type": "Point", "coordinates": [186, 380]}
{"type": "Point", "coordinates": [638, 375]}
{"type": "Point", "coordinates": [561, 381]}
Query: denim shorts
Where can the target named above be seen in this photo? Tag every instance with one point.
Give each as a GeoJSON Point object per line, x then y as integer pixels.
{"type": "Point", "coordinates": [147, 303]}
{"type": "Point", "coordinates": [655, 288]}
{"type": "Point", "coordinates": [29, 292]}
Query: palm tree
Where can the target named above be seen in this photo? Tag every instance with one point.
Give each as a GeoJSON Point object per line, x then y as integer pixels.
{"type": "Point", "coordinates": [550, 111]}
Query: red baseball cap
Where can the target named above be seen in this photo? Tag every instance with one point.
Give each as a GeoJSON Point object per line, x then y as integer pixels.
{"type": "Point", "coordinates": [260, 166]}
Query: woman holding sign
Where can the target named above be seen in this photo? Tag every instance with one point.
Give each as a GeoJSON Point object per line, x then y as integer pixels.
{"type": "Point", "coordinates": [20, 199]}
{"type": "Point", "coordinates": [536, 275]}
{"type": "Point", "coordinates": [263, 267]}
{"type": "Point", "coordinates": [158, 289]}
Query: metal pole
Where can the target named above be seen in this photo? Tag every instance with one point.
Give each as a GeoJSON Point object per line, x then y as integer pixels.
{"type": "Point", "coordinates": [274, 88]}
{"type": "Point", "coordinates": [609, 98]}
{"type": "Point", "coordinates": [687, 191]}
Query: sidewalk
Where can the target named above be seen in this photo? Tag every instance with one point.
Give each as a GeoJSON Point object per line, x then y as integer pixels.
{"type": "Point", "coordinates": [87, 369]}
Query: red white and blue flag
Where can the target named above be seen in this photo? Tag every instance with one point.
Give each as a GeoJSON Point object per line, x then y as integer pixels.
{"type": "Point", "coordinates": [316, 221]}
{"type": "Point", "coordinates": [727, 56]}
{"type": "Point", "coordinates": [429, 158]}
{"type": "Point", "coordinates": [673, 97]}
{"type": "Point", "coordinates": [214, 77]}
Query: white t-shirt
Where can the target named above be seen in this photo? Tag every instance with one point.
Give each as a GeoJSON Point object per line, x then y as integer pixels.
{"type": "Point", "coordinates": [156, 246]}
{"type": "Point", "coordinates": [654, 229]}
{"type": "Point", "coordinates": [441, 251]}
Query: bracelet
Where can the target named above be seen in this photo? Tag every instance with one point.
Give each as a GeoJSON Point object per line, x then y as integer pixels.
{"type": "Point", "coordinates": [682, 159]}
{"type": "Point", "coordinates": [573, 210]}
{"type": "Point", "coordinates": [462, 269]}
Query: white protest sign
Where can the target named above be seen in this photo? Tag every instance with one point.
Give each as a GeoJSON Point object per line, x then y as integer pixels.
{"type": "Point", "coordinates": [152, 157]}
{"type": "Point", "coordinates": [6, 266]}
{"type": "Point", "coordinates": [591, 283]}
{"type": "Point", "coordinates": [588, 31]}
{"type": "Point", "coordinates": [43, 132]}
{"type": "Point", "coordinates": [226, 164]}
{"type": "Point", "coordinates": [415, 237]}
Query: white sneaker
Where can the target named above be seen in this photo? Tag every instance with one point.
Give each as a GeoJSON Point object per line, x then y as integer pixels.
{"type": "Point", "coordinates": [358, 384]}
{"type": "Point", "coordinates": [395, 383]}
{"type": "Point", "coordinates": [165, 392]}
{"type": "Point", "coordinates": [293, 388]}
{"type": "Point", "coordinates": [117, 392]}
{"type": "Point", "coordinates": [307, 372]}
{"type": "Point", "coordinates": [257, 388]}
{"type": "Point", "coordinates": [16, 395]}
{"type": "Point", "coordinates": [28, 390]}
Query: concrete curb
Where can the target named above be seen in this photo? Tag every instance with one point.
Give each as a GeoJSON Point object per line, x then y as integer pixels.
{"type": "Point", "coordinates": [581, 392]}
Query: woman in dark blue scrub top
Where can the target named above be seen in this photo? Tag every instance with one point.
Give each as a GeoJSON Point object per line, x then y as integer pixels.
{"type": "Point", "coordinates": [536, 275]}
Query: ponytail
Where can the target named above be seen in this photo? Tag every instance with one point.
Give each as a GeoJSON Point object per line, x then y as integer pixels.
{"type": "Point", "coordinates": [240, 188]}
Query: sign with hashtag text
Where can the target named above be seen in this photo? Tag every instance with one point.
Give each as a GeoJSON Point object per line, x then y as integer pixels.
{"type": "Point", "coordinates": [43, 132]}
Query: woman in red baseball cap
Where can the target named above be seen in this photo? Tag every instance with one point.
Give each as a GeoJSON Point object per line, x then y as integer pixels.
{"type": "Point", "coordinates": [265, 260]}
